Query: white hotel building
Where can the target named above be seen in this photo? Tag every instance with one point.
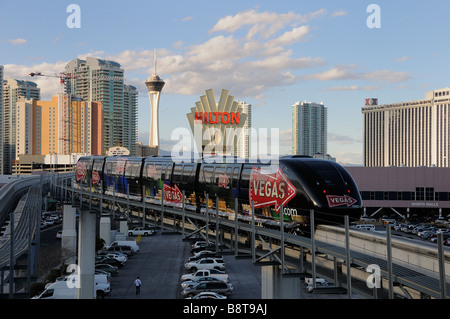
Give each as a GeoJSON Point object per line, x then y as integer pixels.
{"type": "Point", "coordinates": [414, 133]}
{"type": "Point", "coordinates": [309, 128]}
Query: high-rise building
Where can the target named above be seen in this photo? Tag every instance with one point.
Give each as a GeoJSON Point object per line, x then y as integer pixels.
{"type": "Point", "coordinates": [103, 81]}
{"type": "Point", "coordinates": [38, 127]}
{"type": "Point", "coordinates": [243, 142]}
{"type": "Point", "coordinates": [1, 119]}
{"type": "Point", "coordinates": [24, 127]}
{"type": "Point", "coordinates": [130, 96]}
{"type": "Point", "coordinates": [12, 90]}
{"type": "Point", "coordinates": [413, 133]}
{"type": "Point", "coordinates": [309, 128]}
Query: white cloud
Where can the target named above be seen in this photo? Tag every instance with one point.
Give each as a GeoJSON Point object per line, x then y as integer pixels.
{"type": "Point", "coordinates": [339, 72]}
{"type": "Point", "coordinates": [387, 75]}
{"type": "Point", "coordinates": [49, 85]}
{"type": "Point", "coordinates": [403, 58]}
{"type": "Point", "coordinates": [263, 23]}
{"type": "Point", "coordinates": [347, 72]}
{"type": "Point", "coordinates": [339, 13]}
{"type": "Point", "coordinates": [290, 37]}
{"type": "Point", "coordinates": [353, 88]}
{"type": "Point", "coordinates": [18, 41]}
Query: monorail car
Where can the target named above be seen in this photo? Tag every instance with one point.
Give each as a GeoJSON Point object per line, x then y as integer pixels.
{"type": "Point", "coordinates": [296, 184]}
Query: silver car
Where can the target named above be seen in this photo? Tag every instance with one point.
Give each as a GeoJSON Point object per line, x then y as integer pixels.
{"type": "Point", "coordinates": [218, 287]}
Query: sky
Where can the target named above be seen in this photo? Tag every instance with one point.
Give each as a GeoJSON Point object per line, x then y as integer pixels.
{"type": "Point", "coordinates": [266, 53]}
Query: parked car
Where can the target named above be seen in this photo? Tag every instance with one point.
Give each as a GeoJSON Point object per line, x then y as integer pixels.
{"type": "Point", "coordinates": [202, 246]}
{"type": "Point", "coordinates": [444, 239]}
{"type": "Point", "coordinates": [208, 295]}
{"type": "Point", "coordinates": [113, 270]}
{"type": "Point", "coordinates": [111, 261]}
{"type": "Point", "coordinates": [203, 254]}
{"type": "Point", "coordinates": [195, 281]}
{"type": "Point", "coordinates": [217, 287]}
{"type": "Point", "coordinates": [119, 256]}
{"type": "Point", "coordinates": [201, 242]}
{"type": "Point", "coordinates": [205, 263]}
{"type": "Point", "coordinates": [126, 250]}
{"type": "Point", "coordinates": [141, 231]}
{"type": "Point", "coordinates": [426, 234]}
{"type": "Point", "coordinates": [132, 243]}
{"type": "Point", "coordinates": [59, 234]}
{"type": "Point", "coordinates": [206, 272]}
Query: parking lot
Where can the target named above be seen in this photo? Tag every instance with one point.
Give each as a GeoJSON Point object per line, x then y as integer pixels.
{"type": "Point", "coordinates": [160, 265]}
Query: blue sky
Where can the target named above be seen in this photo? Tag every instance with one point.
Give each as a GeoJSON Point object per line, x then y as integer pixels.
{"type": "Point", "coordinates": [269, 54]}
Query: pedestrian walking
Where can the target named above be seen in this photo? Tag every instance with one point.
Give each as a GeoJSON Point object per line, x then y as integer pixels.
{"type": "Point", "coordinates": [138, 285]}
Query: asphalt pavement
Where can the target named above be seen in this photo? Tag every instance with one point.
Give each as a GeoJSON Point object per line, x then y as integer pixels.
{"type": "Point", "coordinates": [160, 265]}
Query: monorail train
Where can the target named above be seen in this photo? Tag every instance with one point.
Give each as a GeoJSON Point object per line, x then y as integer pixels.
{"type": "Point", "coordinates": [296, 184]}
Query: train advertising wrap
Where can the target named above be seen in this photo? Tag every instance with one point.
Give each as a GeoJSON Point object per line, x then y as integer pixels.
{"type": "Point", "coordinates": [81, 171]}
{"type": "Point", "coordinates": [270, 189]}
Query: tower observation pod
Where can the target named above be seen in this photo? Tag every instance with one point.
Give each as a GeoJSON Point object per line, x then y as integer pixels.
{"type": "Point", "coordinates": [154, 85]}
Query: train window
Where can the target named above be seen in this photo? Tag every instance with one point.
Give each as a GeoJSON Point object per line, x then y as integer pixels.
{"type": "Point", "coordinates": [136, 170]}
{"type": "Point", "coordinates": [113, 168]}
{"type": "Point", "coordinates": [207, 174]}
{"type": "Point", "coordinates": [177, 172]}
{"type": "Point", "coordinates": [229, 175]}
{"type": "Point", "coordinates": [108, 168]}
{"type": "Point", "coordinates": [168, 171]}
{"type": "Point", "coordinates": [245, 179]}
{"type": "Point", "coordinates": [187, 172]}
{"type": "Point", "coordinates": [158, 172]}
{"type": "Point", "coordinates": [97, 165]}
{"type": "Point", "coordinates": [128, 169]}
{"type": "Point", "coordinates": [163, 172]}
{"type": "Point", "coordinates": [235, 177]}
{"type": "Point", "coordinates": [120, 167]}
{"type": "Point", "coordinates": [151, 170]}
{"type": "Point", "coordinates": [217, 173]}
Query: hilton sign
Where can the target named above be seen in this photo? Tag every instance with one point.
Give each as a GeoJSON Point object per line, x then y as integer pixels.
{"type": "Point", "coordinates": [216, 125]}
{"type": "Point", "coordinates": [217, 117]}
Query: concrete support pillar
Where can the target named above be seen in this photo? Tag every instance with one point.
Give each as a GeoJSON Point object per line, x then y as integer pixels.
{"type": "Point", "coordinates": [69, 235]}
{"type": "Point", "coordinates": [124, 227]}
{"type": "Point", "coordinates": [105, 229]}
{"type": "Point", "coordinates": [86, 254]}
{"type": "Point", "coordinates": [275, 286]}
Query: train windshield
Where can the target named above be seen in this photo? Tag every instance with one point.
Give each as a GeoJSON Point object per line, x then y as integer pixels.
{"type": "Point", "coordinates": [328, 173]}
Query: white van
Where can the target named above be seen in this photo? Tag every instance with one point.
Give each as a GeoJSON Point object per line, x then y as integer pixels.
{"type": "Point", "coordinates": [368, 227]}
{"type": "Point", "coordinates": [66, 288]}
{"type": "Point", "coordinates": [130, 243]}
